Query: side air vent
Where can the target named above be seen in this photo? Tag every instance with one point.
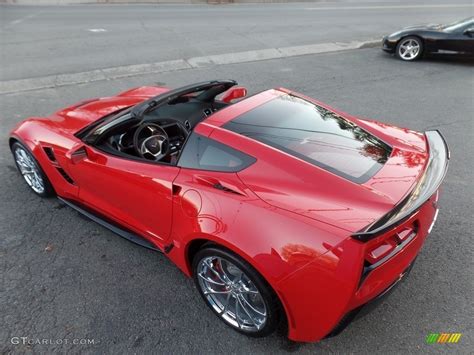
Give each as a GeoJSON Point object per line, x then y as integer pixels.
{"type": "Point", "coordinates": [49, 152]}
{"type": "Point", "coordinates": [65, 175]}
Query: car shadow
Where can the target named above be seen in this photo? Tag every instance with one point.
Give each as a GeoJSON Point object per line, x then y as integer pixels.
{"type": "Point", "coordinates": [466, 61]}
{"type": "Point", "coordinates": [450, 59]}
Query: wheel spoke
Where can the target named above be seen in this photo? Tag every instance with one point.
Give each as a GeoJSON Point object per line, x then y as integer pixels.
{"type": "Point", "coordinates": [252, 307]}
{"type": "Point", "coordinates": [226, 277]}
{"type": "Point", "coordinates": [210, 280]}
{"type": "Point", "coordinates": [237, 318]}
{"type": "Point", "coordinates": [227, 301]}
{"type": "Point", "coordinates": [247, 312]}
{"type": "Point", "coordinates": [214, 292]}
{"type": "Point", "coordinates": [215, 272]}
{"type": "Point", "coordinates": [22, 164]}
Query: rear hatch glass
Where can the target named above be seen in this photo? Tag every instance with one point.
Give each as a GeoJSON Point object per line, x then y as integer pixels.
{"type": "Point", "coordinates": [315, 135]}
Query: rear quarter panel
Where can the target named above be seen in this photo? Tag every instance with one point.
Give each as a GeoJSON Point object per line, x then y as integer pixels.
{"type": "Point", "coordinates": [274, 241]}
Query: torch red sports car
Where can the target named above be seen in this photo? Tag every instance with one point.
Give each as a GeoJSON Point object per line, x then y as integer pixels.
{"type": "Point", "coordinates": [283, 210]}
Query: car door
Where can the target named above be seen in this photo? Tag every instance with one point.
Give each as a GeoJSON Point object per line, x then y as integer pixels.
{"type": "Point", "coordinates": [458, 41]}
{"type": "Point", "coordinates": [136, 194]}
{"type": "Point", "coordinates": [467, 41]}
{"type": "Point", "coordinates": [208, 192]}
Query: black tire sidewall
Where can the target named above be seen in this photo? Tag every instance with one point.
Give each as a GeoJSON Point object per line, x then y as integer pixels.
{"type": "Point", "coordinates": [420, 53]}
{"type": "Point", "coordinates": [269, 297]}
{"type": "Point", "coordinates": [48, 188]}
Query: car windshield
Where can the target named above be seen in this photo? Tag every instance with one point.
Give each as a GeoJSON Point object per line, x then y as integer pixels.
{"type": "Point", "coordinates": [315, 135]}
{"type": "Point", "coordinates": [94, 130]}
{"type": "Point", "coordinates": [459, 25]}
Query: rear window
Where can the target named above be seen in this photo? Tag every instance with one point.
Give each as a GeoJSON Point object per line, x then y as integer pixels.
{"type": "Point", "coordinates": [316, 135]}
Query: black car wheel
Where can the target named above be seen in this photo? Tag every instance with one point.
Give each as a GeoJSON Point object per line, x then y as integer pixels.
{"type": "Point", "coordinates": [31, 170]}
{"type": "Point", "coordinates": [409, 48]}
{"type": "Point", "coordinates": [236, 292]}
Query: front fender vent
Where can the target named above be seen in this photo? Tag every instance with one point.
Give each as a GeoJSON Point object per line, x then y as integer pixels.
{"type": "Point", "coordinates": [49, 152]}
{"type": "Point", "coordinates": [65, 175]}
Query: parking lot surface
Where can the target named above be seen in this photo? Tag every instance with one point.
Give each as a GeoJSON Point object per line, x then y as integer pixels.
{"type": "Point", "coordinates": [65, 277]}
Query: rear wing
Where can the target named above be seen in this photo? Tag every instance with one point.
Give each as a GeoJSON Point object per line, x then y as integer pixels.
{"type": "Point", "coordinates": [428, 184]}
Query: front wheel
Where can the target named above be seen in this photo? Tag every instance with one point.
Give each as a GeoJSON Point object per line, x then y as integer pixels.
{"type": "Point", "coordinates": [236, 292]}
{"type": "Point", "coordinates": [409, 48]}
{"type": "Point", "coordinates": [31, 170]}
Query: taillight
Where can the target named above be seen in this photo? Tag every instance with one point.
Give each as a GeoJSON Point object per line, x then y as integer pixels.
{"type": "Point", "coordinates": [379, 251]}
{"type": "Point", "coordinates": [382, 247]}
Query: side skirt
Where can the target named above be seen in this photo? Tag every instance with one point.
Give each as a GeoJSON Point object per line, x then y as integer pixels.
{"type": "Point", "coordinates": [114, 227]}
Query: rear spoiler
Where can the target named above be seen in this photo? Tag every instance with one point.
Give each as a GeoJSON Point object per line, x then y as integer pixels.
{"type": "Point", "coordinates": [426, 187]}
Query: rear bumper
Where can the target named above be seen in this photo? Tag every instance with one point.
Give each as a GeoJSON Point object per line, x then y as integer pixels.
{"type": "Point", "coordinates": [335, 288]}
{"type": "Point", "coordinates": [365, 309]}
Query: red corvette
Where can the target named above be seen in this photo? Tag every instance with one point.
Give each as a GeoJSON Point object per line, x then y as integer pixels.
{"type": "Point", "coordinates": [283, 210]}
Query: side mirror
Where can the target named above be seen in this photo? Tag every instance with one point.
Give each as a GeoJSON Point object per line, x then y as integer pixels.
{"type": "Point", "coordinates": [469, 32]}
{"type": "Point", "coordinates": [234, 93]}
{"type": "Point", "coordinates": [77, 153]}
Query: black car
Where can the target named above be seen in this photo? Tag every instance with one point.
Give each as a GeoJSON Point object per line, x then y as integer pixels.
{"type": "Point", "coordinates": [413, 42]}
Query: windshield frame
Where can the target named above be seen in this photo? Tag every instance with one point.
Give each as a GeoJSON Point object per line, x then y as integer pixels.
{"type": "Point", "coordinates": [93, 133]}
{"type": "Point", "coordinates": [459, 25]}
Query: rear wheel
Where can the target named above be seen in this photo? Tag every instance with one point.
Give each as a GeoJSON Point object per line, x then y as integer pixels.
{"type": "Point", "coordinates": [31, 170]}
{"type": "Point", "coordinates": [409, 48]}
{"type": "Point", "coordinates": [236, 292]}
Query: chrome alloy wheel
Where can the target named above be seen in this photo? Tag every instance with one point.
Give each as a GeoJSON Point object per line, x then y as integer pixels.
{"type": "Point", "coordinates": [409, 49]}
{"type": "Point", "coordinates": [29, 170]}
{"type": "Point", "coordinates": [231, 294]}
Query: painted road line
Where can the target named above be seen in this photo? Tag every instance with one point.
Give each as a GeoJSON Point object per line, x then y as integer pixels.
{"type": "Point", "coordinates": [22, 19]}
{"type": "Point", "coordinates": [51, 81]}
{"type": "Point", "coordinates": [391, 7]}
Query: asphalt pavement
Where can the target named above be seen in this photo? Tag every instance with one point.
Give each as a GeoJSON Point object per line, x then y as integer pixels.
{"type": "Point", "coordinates": [66, 39]}
{"type": "Point", "coordinates": [64, 279]}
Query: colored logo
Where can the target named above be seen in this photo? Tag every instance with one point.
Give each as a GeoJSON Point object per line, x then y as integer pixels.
{"type": "Point", "coordinates": [443, 338]}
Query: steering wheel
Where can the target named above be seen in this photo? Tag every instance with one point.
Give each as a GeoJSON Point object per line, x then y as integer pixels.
{"type": "Point", "coordinates": [152, 142]}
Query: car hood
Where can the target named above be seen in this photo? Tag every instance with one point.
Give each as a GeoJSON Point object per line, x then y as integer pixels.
{"type": "Point", "coordinates": [323, 196]}
{"type": "Point", "coordinates": [76, 117]}
{"type": "Point", "coordinates": [415, 28]}
{"type": "Point", "coordinates": [429, 26]}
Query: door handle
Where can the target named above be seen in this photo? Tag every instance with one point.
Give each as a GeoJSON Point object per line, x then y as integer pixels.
{"type": "Point", "coordinates": [220, 185]}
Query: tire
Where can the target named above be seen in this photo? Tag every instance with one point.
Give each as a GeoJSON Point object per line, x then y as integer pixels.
{"type": "Point", "coordinates": [243, 299]}
{"type": "Point", "coordinates": [409, 48]}
{"type": "Point", "coordinates": [31, 171]}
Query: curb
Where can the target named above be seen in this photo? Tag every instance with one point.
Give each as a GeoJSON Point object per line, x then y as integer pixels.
{"type": "Point", "coordinates": [52, 81]}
